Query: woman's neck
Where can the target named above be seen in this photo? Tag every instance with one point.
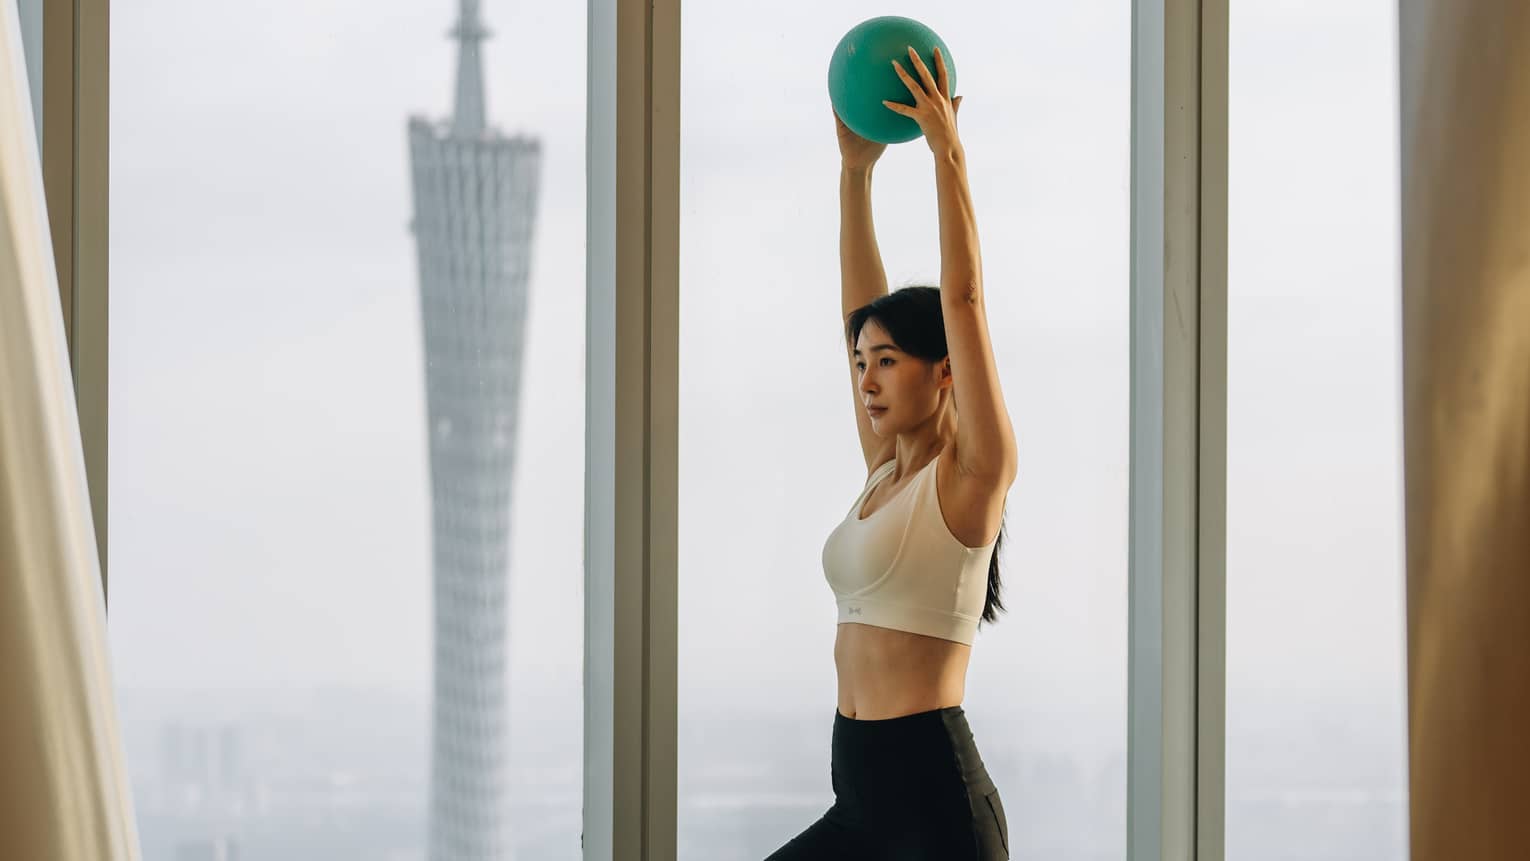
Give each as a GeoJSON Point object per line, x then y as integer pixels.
{"type": "Point", "coordinates": [915, 450]}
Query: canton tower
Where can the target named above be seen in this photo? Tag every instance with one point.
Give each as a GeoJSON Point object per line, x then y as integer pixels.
{"type": "Point", "coordinates": [475, 196]}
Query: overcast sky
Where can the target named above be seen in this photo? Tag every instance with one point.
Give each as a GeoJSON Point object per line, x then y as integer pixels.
{"type": "Point", "coordinates": [269, 496]}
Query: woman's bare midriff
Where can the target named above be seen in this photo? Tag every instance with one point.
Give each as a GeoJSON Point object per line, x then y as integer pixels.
{"type": "Point", "coordinates": [885, 673]}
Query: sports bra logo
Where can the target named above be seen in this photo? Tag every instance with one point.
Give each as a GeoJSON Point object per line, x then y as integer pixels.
{"type": "Point", "coordinates": [854, 611]}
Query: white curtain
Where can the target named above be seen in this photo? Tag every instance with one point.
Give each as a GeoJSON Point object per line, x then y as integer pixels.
{"type": "Point", "coordinates": [63, 789]}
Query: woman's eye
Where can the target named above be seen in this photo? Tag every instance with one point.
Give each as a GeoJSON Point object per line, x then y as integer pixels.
{"type": "Point", "coordinates": [886, 360]}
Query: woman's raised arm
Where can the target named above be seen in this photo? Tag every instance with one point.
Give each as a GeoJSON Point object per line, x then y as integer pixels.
{"type": "Point", "coordinates": [861, 276]}
{"type": "Point", "coordinates": [985, 438]}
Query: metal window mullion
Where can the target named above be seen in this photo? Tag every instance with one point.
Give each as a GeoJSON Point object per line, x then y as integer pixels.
{"type": "Point", "coordinates": [1178, 372]}
{"type": "Point", "coordinates": [631, 436]}
{"type": "Point", "coordinates": [91, 271]}
{"type": "Point", "coordinates": [1211, 572]}
{"type": "Point", "coordinates": [74, 59]}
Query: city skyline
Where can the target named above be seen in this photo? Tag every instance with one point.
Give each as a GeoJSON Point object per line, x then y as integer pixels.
{"type": "Point", "coordinates": [312, 773]}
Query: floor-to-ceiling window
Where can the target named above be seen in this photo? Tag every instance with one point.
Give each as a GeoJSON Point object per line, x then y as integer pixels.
{"type": "Point", "coordinates": [1316, 750]}
{"type": "Point", "coordinates": [347, 320]}
{"type": "Point", "coordinates": [769, 456]}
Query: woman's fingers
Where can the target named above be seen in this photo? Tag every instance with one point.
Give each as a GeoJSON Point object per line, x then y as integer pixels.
{"type": "Point", "coordinates": [924, 73]}
{"type": "Point", "coordinates": [921, 111]}
{"type": "Point", "coordinates": [941, 76]}
{"type": "Point", "coordinates": [908, 81]}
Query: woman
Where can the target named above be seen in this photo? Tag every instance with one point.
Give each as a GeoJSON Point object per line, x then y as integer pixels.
{"type": "Point", "coordinates": [913, 566]}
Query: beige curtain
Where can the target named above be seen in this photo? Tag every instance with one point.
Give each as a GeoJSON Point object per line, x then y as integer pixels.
{"type": "Point", "coordinates": [63, 790]}
{"type": "Point", "coordinates": [1466, 367]}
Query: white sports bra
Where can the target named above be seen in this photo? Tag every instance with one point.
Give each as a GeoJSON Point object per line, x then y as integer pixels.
{"type": "Point", "coordinates": [901, 567]}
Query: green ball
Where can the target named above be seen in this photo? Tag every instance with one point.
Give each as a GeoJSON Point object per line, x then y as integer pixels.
{"type": "Point", "coordinates": [861, 75]}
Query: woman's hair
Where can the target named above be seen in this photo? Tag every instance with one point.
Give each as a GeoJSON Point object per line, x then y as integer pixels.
{"type": "Point", "coordinates": [912, 318]}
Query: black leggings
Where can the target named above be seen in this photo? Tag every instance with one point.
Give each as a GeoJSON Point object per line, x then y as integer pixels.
{"type": "Point", "coordinates": [910, 788]}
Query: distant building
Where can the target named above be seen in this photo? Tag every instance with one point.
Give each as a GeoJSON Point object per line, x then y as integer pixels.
{"type": "Point", "coordinates": [475, 196]}
{"type": "Point", "coordinates": [220, 849]}
{"type": "Point", "coordinates": [199, 766]}
{"type": "Point", "coordinates": [228, 771]}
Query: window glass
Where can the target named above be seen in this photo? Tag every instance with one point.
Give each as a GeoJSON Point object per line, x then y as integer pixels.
{"type": "Point", "coordinates": [1316, 744]}
{"type": "Point", "coordinates": [770, 460]}
{"type": "Point", "coordinates": [347, 261]}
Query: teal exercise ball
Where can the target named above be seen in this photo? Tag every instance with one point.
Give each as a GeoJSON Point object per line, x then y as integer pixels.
{"type": "Point", "coordinates": [861, 75]}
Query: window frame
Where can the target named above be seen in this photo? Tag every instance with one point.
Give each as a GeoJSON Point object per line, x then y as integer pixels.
{"type": "Point", "coordinates": [632, 429]}
{"type": "Point", "coordinates": [66, 49]}
{"type": "Point", "coordinates": [1176, 641]}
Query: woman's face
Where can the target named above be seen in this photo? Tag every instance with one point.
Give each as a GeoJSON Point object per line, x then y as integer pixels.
{"type": "Point", "coordinates": [906, 388]}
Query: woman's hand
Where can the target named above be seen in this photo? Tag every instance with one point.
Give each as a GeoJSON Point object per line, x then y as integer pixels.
{"type": "Point", "coordinates": [933, 109]}
{"type": "Point", "coordinates": [855, 152]}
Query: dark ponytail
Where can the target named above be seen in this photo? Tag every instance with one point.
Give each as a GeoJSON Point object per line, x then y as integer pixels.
{"type": "Point", "coordinates": [993, 605]}
{"type": "Point", "coordinates": [912, 318]}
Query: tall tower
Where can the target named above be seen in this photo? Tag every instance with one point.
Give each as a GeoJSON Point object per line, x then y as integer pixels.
{"type": "Point", "coordinates": [475, 196]}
